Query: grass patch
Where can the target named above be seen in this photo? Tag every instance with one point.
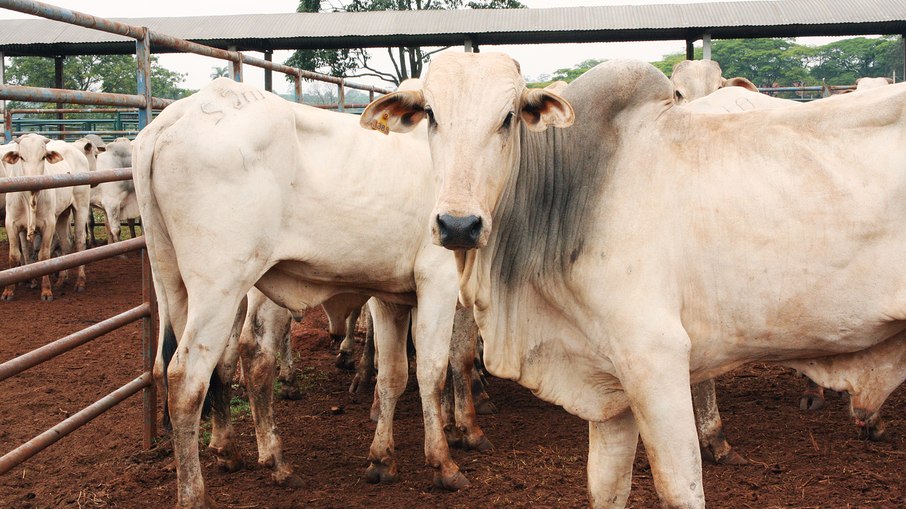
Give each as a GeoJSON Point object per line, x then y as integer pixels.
{"type": "Point", "coordinates": [239, 407]}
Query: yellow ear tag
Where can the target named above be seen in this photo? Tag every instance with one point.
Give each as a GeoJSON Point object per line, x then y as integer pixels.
{"type": "Point", "coordinates": [381, 123]}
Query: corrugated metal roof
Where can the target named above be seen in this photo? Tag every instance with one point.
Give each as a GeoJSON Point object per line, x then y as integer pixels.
{"type": "Point", "coordinates": [511, 26]}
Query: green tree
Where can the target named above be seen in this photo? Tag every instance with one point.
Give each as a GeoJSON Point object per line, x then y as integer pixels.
{"type": "Point", "coordinates": [407, 61]}
{"type": "Point", "coordinates": [843, 62]}
{"type": "Point", "coordinates": [220, 72]}
{"type": "Point", "coordinates": [105, 73]}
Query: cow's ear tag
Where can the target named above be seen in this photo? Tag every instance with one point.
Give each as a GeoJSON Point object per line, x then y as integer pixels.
{"type": "Point", "coordinates": [380, 124]}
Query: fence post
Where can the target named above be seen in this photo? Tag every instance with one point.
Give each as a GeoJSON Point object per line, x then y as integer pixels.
{"type": "Point", "coordinates": [268, 74]}
{"type": "Point", "coordinates": [149, 334]}
{"type": "Point", "coordinates": [298, 88]}
{"type": "Point", "coordinates": [341, 97]}
{"type": "Point", "coordinates": [236, 66]}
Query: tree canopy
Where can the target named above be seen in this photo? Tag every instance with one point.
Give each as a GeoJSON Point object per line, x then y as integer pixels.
{"type": "Point", "coordinates": [104, 73]}
{"type": "Point", "coordinates": [785, 62]}
{"type": "Point", "coordinates": [407, 62]}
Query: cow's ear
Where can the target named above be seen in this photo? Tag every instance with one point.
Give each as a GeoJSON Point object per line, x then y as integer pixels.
{"type": "Point", "coordinates": [399, 112]}
{"type": "Point", "coordinates": [541, 108]}
{"type": "Point", "coordinates": [53, 156]}
{"type": "Point", "coordinates": [11, 157]}
{"type": "Point", "coordinates": [739, 82]}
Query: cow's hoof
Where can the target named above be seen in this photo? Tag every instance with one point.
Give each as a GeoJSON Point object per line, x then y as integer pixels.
{"type": "Point", "coordinates": [731, 458]}
{"type": "Point", "coordinates": [811, 402]}
{"type": "Point", "coordinates": [871, 427]}
{"type": "Point", "coordinates": [486, 407]}
{"type": "Point", "coordinates": [378, 472]}
{"type": "Point", "coordinates": [6, 296]}
{"type": "Point", "coordinates": [46, 297]}
{"type": "Point", "coordinates": [290, 391]}
{"type": "Point", "coordinates": [454, 482]}
{"type": "Point", "coordinates": [480, 445]}
{"type": "Point", "coordinates": [80, 288]}
{"type": "Point", "coordinates": [291, 481]}
{"type": "Point", "coordinates": [345, 361]}
{"type": "Point", "coordinates": [228, 458]}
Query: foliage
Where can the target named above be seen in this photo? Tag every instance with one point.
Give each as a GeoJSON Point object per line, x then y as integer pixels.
{"type": "Point", "coordinates": [104, 73]}
{"type": "Point", "coordinates": [407, 62]}
{"type": "Point", "coordinates": [785, 62]}
{"type": "Point", "coordinates": [782, 61]}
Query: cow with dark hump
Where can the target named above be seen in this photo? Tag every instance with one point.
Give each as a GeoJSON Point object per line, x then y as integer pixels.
{"type": "Point", "coordinates": [615, 262]}
{"type": "Point", "coordinates": [302, 247]}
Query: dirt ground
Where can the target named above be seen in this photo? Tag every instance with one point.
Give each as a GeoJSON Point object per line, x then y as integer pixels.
{"type": "Point", "coordinates": [799, 460]}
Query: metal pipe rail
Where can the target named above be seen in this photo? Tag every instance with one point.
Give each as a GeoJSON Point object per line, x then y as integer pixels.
{"type": "Point", "coordinates": [35, 183]}
{"type": "Point", "coordinates": [76, 420]}
{"type": "Point", "coordinates": [49, 111]}
{"type": "Point", "coordinates": [47, 267]}
{"type": "Point", "coordinates": [53, 12]}
{"type": "Point", "coordinates": [74, 133]}
{"type": "Point", "coordinates": [50, 95]}
{"type": "Point", "coordinates": [19, 364]}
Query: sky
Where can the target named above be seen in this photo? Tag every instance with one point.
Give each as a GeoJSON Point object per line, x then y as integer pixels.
{"type": "Point", "coordinates": [536, 60]}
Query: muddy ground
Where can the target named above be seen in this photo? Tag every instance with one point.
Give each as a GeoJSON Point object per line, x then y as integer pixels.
{"type": "Point", "coordinates": [799, 459]}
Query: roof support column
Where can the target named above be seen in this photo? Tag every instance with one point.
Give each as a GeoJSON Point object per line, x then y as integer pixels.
{"type": "Point", "coordinates": [706, 46]}
{"type": "Point", "coordinates": [3, 82]}
{"type": "Point", "coordinates": [58, 83]}
{"type": "Point", "coordinates": [903, 47]}
{"type": "Point", "coordinates": [235, 67]}
{"type": "Point", "coordinates": [690, 49]}
{"type": "Point", "coordinates": [268, 74]}
{"type": "Point", "coordinates": [469, 46]}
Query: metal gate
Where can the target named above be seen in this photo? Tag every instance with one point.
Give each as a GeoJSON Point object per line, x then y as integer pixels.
{"type": "Point", "coordinates": [147, 310]}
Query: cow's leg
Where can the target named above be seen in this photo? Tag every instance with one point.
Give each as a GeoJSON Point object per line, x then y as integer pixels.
{"type": "Point", "coordinates": [287, 372]}
{"type": "Point", "coordinates": [259, 346]}
{"type": "Point", "coordinates": [432, 328]}
{"type": "Point", "coordinates": [15, 257]}
{"type": "Point", "coordinates": [662, 406]}
{"type": "Point", "coordinates": [190, 375]}
{"type": "Point", "coordinates": [81, 219]}
{"type": "Point", "coordinates": [611, 451]}
{"type": "Point", "coordinates": [711, 439]}
{"type": "Point", "coordinates": [44, 254]}
{"type": "Point", "coordinates": [345, 360]}
{"type": "Point", "coordinates": [223, 445]}
{"type": "Point", "coordinates": [91, 225]}
{"type": "Point", "coordinates": [113, 224]}
{"type": "Point", "coordinates": [869, 376]}
{"type": "Point", "coordinates": [364, 375]}
{"type": "Point", "coordinates": [462, 362]}
{"type": "Point", "coordinates": [812, 397]}
{"type": "Point", "coordinates": [65, 238]}
{"type": "Point", "coordinates": [390, 324]}
{"type": "Point", "coordinates": [483, 403]}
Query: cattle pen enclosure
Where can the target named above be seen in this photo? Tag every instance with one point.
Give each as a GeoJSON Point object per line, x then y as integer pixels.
{"type": "Point", "coordinates": [798, 459]}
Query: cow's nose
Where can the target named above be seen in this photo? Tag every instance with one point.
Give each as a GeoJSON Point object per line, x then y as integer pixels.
{"type": "Point", "coordinates": [458, 232]}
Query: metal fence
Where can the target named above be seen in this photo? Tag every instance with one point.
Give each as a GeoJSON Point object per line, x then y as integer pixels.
{"type": "Point", "coordinates": [147, 310]}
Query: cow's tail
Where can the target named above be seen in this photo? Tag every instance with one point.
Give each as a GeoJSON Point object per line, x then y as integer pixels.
{"type": "Point", "coordinates": [168, 284]}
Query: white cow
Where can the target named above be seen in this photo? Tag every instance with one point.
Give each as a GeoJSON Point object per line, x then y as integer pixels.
{"type": "Point", "coordinates": [694, 79]}
{"type": "Point", "coordinates": [301, 247]}
{"type": "Point", "coordinates": [649, 247]}
{"type": "Point", "coordinates": [46, 212]}
{"type": "Point", "coordinates": [870, 83]}
{"type": "Point", "coordinates": [116, 198]}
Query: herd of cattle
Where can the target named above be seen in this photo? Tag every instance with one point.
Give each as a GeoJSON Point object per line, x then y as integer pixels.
{"type": "Point", "coordinates": [664, 232]}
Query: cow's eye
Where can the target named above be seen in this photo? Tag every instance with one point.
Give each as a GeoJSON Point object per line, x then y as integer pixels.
{"type": "Point", "coordinates": [508, 121]}
{"type": "Point", "coordinates": [679, 95]}
{"type": "Point", "coordinates": [430, 113]}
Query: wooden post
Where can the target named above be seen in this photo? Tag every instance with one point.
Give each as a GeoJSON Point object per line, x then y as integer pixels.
{"type": "Point", "coordinates": [268, 74]}
{"type": "Point", "coordinates": [690, 49]}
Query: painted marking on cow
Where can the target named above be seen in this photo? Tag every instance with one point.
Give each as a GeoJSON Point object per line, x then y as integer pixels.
{"type": "Point", "coordinates": [211, 108]}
